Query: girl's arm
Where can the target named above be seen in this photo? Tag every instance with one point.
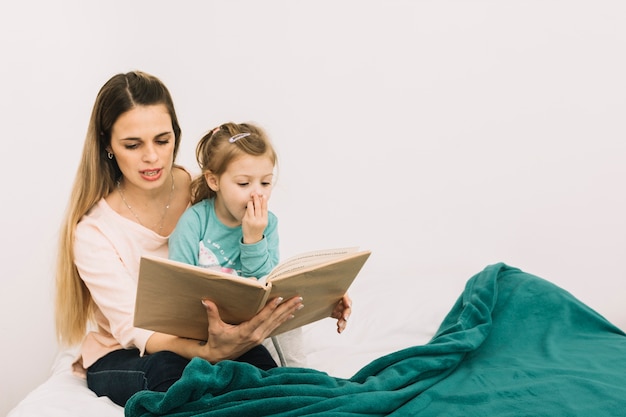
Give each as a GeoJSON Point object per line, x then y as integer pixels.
{"type": "Point", "coordinates": [258, 259]}
{"type": "Point", "coordinates": [183, 241]}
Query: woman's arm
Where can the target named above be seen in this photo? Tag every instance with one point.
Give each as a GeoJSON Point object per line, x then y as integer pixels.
{"type": "Point", "coordinates": [108, 264]}
{"type": "Point", "coordinates": [228, 341]}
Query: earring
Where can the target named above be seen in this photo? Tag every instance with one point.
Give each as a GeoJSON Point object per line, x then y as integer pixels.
{"type": "Point", "coordinates": [109, 155]}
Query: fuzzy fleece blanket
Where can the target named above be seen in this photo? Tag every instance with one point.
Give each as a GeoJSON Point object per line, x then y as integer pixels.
{"type": "Point", "coordinates": [512, 345]}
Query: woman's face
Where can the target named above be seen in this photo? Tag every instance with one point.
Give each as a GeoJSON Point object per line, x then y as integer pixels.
{"type": "Point", "coordinates": [142, 141]}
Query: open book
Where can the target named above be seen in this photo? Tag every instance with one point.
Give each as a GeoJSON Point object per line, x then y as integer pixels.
{"type": "Point", "coordinates": [169, 293]}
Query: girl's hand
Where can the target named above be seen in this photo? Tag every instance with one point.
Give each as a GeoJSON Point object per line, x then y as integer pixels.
{"type": "Point", "coordinates": [254, 220]}
{"type": "Point", "coordinates": [227, 341]}
{"type": "Point", "coordinates": [342, 312]}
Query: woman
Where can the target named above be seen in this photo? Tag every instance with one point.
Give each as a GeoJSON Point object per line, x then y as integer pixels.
{"type": "Point", "coordinates": [127, 197]}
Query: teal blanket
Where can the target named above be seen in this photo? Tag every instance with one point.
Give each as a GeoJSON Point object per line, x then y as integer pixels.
{"type": "Point", "coordinates": [512, 345]}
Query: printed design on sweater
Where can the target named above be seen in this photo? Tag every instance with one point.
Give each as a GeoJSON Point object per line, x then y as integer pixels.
{"type": "Point", "coordinates": [208, 259]}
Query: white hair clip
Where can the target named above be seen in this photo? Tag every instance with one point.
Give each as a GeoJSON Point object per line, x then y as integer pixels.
{"type": "Point", "coordinates": [238, 136]}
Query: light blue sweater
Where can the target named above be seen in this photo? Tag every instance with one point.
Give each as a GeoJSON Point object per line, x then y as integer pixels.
{"type": "Point", "coordinates": [201, 239]}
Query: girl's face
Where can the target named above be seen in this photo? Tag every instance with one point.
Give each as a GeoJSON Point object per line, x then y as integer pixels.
{"type": "Point", "coordinates": [245, 177]}
{"type": "Point", "coordinates": [142, 140]}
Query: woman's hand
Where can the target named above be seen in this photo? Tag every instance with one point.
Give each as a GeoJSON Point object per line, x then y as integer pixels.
{"type": "Point", "coordinates": [342, 312]}
{"type": "Point", "coordinates": [227, 341]}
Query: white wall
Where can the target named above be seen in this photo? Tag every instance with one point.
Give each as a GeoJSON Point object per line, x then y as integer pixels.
{"type": "Point", "coordinates": [443, 135]}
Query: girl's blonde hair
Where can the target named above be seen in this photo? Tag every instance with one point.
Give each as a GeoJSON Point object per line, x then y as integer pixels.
{"type": "Point", "coordinates": [95, 179]}
{"type": "Point", "coordinates": [220, 146]}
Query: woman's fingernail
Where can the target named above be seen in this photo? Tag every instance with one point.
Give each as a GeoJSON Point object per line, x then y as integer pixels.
{"type": "Point", "coordinates": [300, 307]}
{"type": "Point", "coordinates": [279, 300]}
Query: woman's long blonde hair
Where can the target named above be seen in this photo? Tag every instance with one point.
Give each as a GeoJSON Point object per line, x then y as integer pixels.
{"type": "Point", "coordinates": [95, 179]}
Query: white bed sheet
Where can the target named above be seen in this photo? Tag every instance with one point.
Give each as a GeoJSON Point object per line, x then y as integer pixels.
{"type": "Point", "coordinates": [64, 394]}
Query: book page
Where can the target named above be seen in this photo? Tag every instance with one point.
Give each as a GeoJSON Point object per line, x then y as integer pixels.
{"type": "Point", "coordinates": [308, 259]}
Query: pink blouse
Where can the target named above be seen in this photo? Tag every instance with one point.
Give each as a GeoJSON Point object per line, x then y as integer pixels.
{"type": "Point", "coordinates": [107, 251]}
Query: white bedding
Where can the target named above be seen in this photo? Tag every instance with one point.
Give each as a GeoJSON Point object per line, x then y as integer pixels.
{"type": "Point", "coordinates": [384, 320]}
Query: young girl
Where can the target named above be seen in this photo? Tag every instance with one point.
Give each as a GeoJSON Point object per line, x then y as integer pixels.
{"type": "Point", "coordinates": [229, 226]}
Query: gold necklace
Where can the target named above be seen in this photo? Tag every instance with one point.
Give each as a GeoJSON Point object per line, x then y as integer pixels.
{"type": "Point", "coordinates": [167, 206]}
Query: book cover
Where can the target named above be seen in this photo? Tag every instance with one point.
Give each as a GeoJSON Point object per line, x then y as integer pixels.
{"type": "Point", "coordinates": [169, 293]}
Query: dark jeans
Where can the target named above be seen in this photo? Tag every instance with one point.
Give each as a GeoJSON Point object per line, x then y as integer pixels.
{"type": "Point", "coordinates": [122, 373]}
